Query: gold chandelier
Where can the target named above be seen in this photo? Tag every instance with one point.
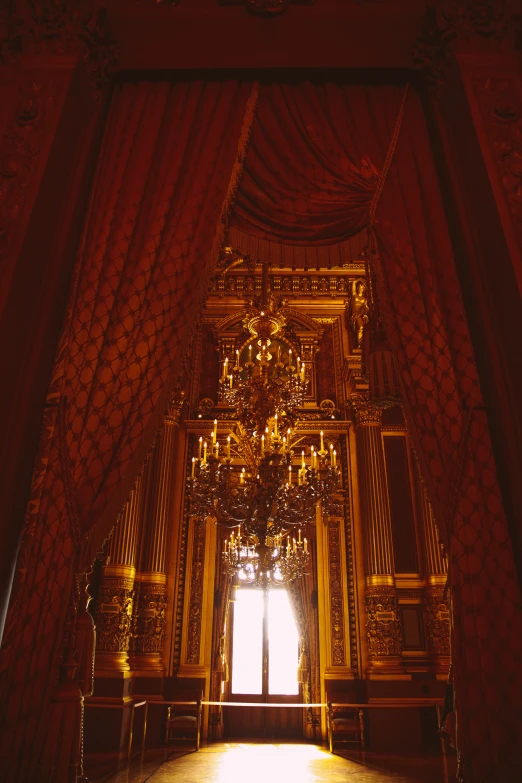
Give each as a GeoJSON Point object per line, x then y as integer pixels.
{"type": "Point", "coordinates": [270, 502]}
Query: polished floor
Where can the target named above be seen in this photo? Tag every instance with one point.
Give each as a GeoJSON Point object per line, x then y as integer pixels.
{"type": "Point", "coordinates": [271, 763]}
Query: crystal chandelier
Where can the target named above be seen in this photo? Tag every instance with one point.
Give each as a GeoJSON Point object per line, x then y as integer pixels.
{"type": "Point", "coordinates": [272, 499]}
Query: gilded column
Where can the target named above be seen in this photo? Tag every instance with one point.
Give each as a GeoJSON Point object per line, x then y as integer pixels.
{"type": "Point", "coordinates": [383, 629]}
{"type": "Point", "coordinates": [116, 596]}
{"type": "Point", "coordinates": [436, 601]}
{"type": "Point", "coordinates": [151, 599]}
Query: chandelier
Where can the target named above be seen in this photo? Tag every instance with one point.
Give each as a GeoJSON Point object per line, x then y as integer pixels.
{"type": "Point", "coordinates": [273, 498]}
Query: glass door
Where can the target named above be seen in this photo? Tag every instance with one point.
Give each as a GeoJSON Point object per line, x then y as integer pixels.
{"type": "Point", "coordinates": [264, 661]}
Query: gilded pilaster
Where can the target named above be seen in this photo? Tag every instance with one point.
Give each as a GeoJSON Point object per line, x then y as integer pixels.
{"type": "Point", "coordinates": [116, 596]}
{"type": "Point", "coordinates": [151, 582]}
{"type": "Point", "coordinates": [383, 628]}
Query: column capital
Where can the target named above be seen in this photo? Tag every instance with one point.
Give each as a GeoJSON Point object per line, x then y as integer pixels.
{"type": "Point", "coordinates": [174, 410]}
{"type": "Point", "coordinates": [366, 411]}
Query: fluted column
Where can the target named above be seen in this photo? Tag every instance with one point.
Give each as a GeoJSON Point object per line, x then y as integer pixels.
{"type": "Point", "coordinates": [151, 581]}
{"type": "Point", "coordinates": [116, 596]}
{"type": "Point", "coordinates": [436, 599]}
{"type": "Point", "coordinates": [383, 629]}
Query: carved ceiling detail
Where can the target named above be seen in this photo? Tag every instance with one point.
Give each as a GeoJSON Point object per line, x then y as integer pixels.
{"type": "Point", "coordinates": [60, 27]}
{"type": "Point", "coordinates": [460, 24]}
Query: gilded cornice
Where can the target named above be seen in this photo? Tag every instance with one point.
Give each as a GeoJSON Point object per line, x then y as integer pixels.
{"type": "Point", "coordinates": [58, 28]}
{"type": "Point", "coordinates": [453, 25]}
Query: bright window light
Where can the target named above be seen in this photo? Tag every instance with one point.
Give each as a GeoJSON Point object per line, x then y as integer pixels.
{"type": "Point", "coordinates": [247, 642]}
{"type": "Point", "coordinates": [283, 645]}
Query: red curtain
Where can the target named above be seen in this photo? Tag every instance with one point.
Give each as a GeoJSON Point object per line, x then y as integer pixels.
{"type": "Point", "coordinates": [311, 175]}
{"type": "Point", "coordinates": [169, 162]}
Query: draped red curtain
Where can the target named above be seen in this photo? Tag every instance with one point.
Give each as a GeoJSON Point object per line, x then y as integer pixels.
{"type": "Point", "coordinates": [311, 175]}
{"type": "Point", "coordinates": [169, 163]}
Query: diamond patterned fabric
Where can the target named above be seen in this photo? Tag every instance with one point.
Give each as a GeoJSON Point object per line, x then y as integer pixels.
{"type": "Point", "coordinates": [168, 166]}
{"type": "Point", "coordinates": [310, 176]}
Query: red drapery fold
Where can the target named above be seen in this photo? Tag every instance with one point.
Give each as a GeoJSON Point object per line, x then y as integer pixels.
{"type": "Point", "coordinates": [314, 162]}
{"type": "Point", "coordinates": [169, 163]}
{"type": "Point", "coordinates": [310, 177]}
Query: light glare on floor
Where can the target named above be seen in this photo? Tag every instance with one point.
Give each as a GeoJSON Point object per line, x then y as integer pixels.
{"type": "Point", "coordinates": [269, 763]}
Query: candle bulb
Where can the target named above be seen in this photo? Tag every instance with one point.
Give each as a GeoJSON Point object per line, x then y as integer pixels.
{"type": "Point", "coordinates": [228, 447]}
{"type": "Point", "coordinates": [214, 434]}
{"type": "Point", "coordinates": [290, 358]}
{"type": "Point", "coordinates": [242, 477]}
{"type": "Point", "coordinates": [230, 380]}
{"type": "Point", "coordinates": [225, 369]}
{"type": "Point", "coordinates": [275, 427]}
{"type": "Point", "coordinates": [290, 476]}
{"type": "Point", "coordinates": [322, 441]}
{"type": "Point", "coordinates": [237, 360]}
{"type": "Point", "coordinates": [302, 460]}
{"type": "Point", "coordinates": [204, 452]}
{"type": "Point", "coordinates": [299, 539]}
{"type": "Point", "coordinates": [200, 442]}
{"type": "Point", "coordinates": [305, 545]}
{"type": "Point", "coordinates": [335, 458]}
{"type": "Point", "coordinates": [302, 372]}
{"type": "Point", "coordinates": [262, 445]}
{"type": "Point", "coordinates": [250, 353]}
{"type": "Point", "coordinates": [193, 466]}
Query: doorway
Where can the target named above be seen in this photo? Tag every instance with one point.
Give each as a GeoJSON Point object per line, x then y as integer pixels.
{"type": "Point", "coordinates": [264, 654]}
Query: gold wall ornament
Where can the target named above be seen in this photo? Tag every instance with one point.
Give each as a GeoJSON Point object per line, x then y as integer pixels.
{"type": "Point", "coordinates": [365, 411]}
{"type": "Point", "coordinates": [149, 626]}
{"type": "Point", "coordinates": [192, 655]}
{"type": "Point", "coordinates": [336, 596]}
{"type": "Point", "coordinates": [437, 622]}
{"type": "Point", "coordinates": [383, 629]}
{"type": "Point", "coordinates": [114, 623]}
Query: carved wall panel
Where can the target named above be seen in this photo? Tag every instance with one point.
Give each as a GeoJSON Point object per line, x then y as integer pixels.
{"type": "Point", "coordinates": [383, 628]}
{"type": "Point", "coordinates": [196, 595]}
{"type": "Point", "coordinates": [437, 622]}
{"type": "Point", "coordinates": [150, 625]}
{"type": "Point", "coordinates": [114, 623]}
{"type": "Point", "coordinates": [336, 596]}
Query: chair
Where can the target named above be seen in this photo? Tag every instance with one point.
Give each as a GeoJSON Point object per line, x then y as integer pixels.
{"type": "Point", "coordinates": [184, 717]}
{"type": "Point", "coordinates": [345, 723]}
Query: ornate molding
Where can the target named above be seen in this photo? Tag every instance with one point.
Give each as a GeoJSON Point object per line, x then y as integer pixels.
{"type": "Point", "coordinates": [365, 411]}
{"type": "Point", "coordinates": [383, 629]}
{"type": "Point", "coordinates": [114, 617]}
{"type": "Point", "coordinates": [437, 622]}
{"type": "Point", "coordinates": [266, 7]}
{"type": "Point", "coordinates": [336, 596]}
{"type": "Point", "coordinates": [196, 595]}
{"type": "Point", "coordinates": [453, 24]}
{"type": "Point", "coordinates": [62, 27]}
{"type": "Point", "coordinates": [350, 570]}
{"type": "Point", "coordinates": [150, 624]}
{"type": "Point", "coordinates": [293, 286]}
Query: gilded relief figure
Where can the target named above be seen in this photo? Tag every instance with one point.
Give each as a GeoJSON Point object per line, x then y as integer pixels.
{"type": "Point", "coordinates": [359, 311]}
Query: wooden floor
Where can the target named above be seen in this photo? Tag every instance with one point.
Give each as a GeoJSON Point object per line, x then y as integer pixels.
{"type": "Point", "coordinates": [269, 763]}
